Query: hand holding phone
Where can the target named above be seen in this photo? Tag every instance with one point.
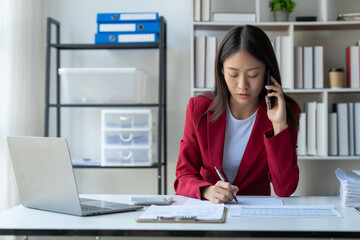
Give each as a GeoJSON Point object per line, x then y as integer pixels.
{"type": "Point", "coordinates": [271, 100]}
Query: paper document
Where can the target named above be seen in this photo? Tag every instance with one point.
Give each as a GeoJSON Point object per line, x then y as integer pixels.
{"type": "Point", "coordinates": [213, 212]}
{"type": "Point", "coordinates": [349, 187]}
{"type": "Point", "coordinates": [357, 172]}
{"type": "Point", "coordinates": [262, 200]}
{"type": "Point", "coordinates": [322, 211]}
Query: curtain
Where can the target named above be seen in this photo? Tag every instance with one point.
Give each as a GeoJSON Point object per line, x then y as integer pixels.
{"type": "Point", "coordinates": [22, 84]}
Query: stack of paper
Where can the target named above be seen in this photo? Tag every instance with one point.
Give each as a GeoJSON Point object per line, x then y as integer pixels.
{"type": "Point", "coordinates": [349, 187]}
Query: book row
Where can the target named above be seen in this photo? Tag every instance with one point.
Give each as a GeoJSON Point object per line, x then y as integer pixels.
{"type": "Point", "coordinates": [340, 138]}
{"type": "Point", "coordinates": [203, 13]}
{"type": "Point", "coordinates": [281, 45]}
{"type": "Point", "coordinates": [309, 67]}
{"type": "Point", "coordinates": [116, 28]}
{"type": "Point", "coordinates": [205, 54]}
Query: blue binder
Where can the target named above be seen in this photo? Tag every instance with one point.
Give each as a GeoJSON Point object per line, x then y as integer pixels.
{"type": "Point", "coordinates": [127, 17]}
{"type": "Point", "coordinates": [124, 38]}
{"type": "Point", "coordinates": [137, 27]}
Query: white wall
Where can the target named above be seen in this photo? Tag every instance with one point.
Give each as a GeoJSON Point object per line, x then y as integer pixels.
{"type": "Point", "coordinates": [78, 25]}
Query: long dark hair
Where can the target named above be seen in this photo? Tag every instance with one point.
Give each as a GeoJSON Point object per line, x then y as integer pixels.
{"type": "Point", "coordinates": [254, 41]}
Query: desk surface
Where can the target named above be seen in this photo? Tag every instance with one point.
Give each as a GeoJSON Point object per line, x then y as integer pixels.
{"type": "Point", "coordinates": [23, 221]}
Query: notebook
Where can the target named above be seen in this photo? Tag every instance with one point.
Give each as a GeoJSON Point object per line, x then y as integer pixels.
{"type": "Point", "coordinates": [46, 180]}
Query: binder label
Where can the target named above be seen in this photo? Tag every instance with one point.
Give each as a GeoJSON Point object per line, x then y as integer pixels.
{"type": "Point", "coordinates": [138, 16]}
{"type": "Point", "coordinates": [117, 27]}
{"type": "Point", "coordinates": [136, 38]}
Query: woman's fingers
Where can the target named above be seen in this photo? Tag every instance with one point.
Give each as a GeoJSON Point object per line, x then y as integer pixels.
{"type": "Point", "coordinates": [224, 191]}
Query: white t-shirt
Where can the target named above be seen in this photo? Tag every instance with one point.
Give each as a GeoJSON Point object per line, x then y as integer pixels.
{"type": "Point", "coordinates": [237, 135]}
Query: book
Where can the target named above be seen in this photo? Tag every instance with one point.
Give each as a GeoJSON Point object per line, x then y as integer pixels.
{"type": "Point", "coordinates": [115, 38]}
{"type": "Point", "coordinates": [301, 142]}
{"type": "Point", "coordinates": [233, 17]}
{"type": "Point", "coordinates": [211, 47]}
{"type": "Point", "coordinates": [299, 67]}
{"type": "Point", "coordinates": [352, 66]}
{"type": "Point", "coordinates": [351, 128]}
{"type": "Point", "coordinates": [126, 17]}
{"type": "Point", "coordinates": [311, 128]}
{"type": "Point", "coordinates": [343, 128]}
{"type": "Point", "coordinates": [205, 10]}
{"type": "Point", "coordinates": [333, 134]}
{"type": "Point", "coordinates": [137, 27]}
{"type": "Point", "coordinates": [321, 129]}
{"type": "Point", "coordinates": [308, 67]}
{"type": "Point", "coordinates": [200, 57]}
{"type": "Point", "coordinates": [348, 66]}
{"type": "Point", "coordinates": [197, 10]}
{"type": "Point", "coordinates": [287, 67]}
{"type": "Point", "coordinates": [357, 128]}
{"type": "Point", "coordinates": [277, 50]}
{"type": "Point", "coordinates": [318, 67]}
{"type": "Point", "coordinates": [348, 17]}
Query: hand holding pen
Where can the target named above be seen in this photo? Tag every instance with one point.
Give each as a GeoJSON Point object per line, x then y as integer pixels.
{"type": "Point", "coordinates": [224, 180]}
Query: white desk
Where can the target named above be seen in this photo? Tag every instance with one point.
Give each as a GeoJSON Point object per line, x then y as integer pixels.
{"type": "Point", "coordinates": [23, 221]}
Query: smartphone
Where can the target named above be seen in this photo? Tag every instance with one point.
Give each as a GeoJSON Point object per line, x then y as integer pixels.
{"type": "Point", "coordinates": [271, 100]}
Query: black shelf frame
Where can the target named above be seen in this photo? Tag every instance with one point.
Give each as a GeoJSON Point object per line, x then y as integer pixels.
{"type": "Point", "coordinates": [161, 105]}
{"type": "Point", "coordinates": [155, 165]}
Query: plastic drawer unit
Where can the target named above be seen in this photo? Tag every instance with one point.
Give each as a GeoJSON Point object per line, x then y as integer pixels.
{"type": "Point", "coordinates": [127, 137]}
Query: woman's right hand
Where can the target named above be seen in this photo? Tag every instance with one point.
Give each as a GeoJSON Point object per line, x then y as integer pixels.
{"type": "Point", "coordinates": [221, 192]}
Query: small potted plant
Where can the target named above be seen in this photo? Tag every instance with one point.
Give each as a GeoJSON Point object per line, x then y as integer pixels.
{"type": "Point", "coordinates": [281, 9]}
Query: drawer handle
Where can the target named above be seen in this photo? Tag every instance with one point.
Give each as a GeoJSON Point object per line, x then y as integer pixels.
{"type": "Point", "coordinates": [125, 157]}
{"type": "Point", "coordinates": [124, 139]}
{"type": "Point", "coordinates": [122, 118]}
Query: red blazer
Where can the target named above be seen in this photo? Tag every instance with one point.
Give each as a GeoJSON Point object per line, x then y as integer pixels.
{"type": "Point", "coordinates": [266, 159]}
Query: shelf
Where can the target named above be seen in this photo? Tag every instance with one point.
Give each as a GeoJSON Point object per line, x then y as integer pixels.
{"type": "Point", "coordinates": [160, 104]}
{"type": "Point", "coordinates": [131, 105]}
{"type": "Point", "coordinates": [104, 46]}
{"type": "Point", "coordinates": [331, 25]}
{"type": "Point", "coordinates": [281, 26]}
{"type": "Point", "coordinates": [328, 90]}
{"type": "Point", "coordinates": [155, 165]}
{"type": "Point", "coordinates": [306, 91]}
{"type": "Point", "coordinates": [203, 89]}
{"type": "Point", "coordinates": [331, 158]}
{"type": "Point", "coordinates": [228, 25]}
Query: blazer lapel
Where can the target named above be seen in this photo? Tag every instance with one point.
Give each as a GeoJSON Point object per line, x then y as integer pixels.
{"type": "Point", "coordinates": [255, 143]}
{"type": "Point", "coordinates": [216, 138]}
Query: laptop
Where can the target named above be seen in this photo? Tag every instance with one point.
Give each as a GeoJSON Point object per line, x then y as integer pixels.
{"type": "Point", "coordinates": [46, 179]}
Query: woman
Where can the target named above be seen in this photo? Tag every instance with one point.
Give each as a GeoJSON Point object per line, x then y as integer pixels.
{"type": "Point", "coordinates": [234, 130]}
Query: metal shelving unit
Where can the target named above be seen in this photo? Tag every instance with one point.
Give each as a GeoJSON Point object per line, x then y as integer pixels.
{"type": "Point", "coordinates": [161, 163]}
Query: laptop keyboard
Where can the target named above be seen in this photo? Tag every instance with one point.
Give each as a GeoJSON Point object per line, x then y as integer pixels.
{"type": "Point", "coordinates": [98, 206]}
{"type": "Point", "coordinates": [90, 208]}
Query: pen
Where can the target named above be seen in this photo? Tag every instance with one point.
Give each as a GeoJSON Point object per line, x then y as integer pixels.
{"type": "Point", "coordinates": [223, 179]}
{"type": "Point", "coordinates": [357, 209]}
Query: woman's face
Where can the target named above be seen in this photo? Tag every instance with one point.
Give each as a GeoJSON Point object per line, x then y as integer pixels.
{"type": "Point", "coordinates": [244, 77]}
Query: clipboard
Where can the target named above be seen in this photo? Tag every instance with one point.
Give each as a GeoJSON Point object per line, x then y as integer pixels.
{"type": "Point", "coordinates": [180, 219]}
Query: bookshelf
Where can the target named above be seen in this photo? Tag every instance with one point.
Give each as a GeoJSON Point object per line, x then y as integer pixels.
{"type": "Point", "coordinates": [333, 35]}
{"type": "Point", "coordinates": [54, 107]}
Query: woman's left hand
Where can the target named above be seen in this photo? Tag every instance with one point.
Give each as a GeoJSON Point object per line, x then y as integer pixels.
{"type": "Point", "coordinates": [277, 114]}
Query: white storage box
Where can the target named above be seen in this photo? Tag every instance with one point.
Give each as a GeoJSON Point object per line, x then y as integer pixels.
{"type": "Point", "coordinates": [102, 85]}
{"type": "Point", "coordinates": [127, 156]}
